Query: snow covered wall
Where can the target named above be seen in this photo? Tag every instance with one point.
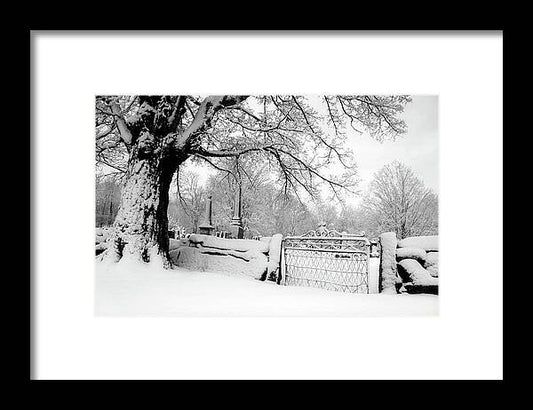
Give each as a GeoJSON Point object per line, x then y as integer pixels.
{"type": "Point", "coordinates": [410, 265]}
{"type": "Point", "coordinates": [101, 235]}
{"type": "Point", "coordinates": [241, 257]}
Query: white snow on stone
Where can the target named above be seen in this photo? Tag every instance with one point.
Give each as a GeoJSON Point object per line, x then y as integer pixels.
{"type": "Point", "coordinates": [418, 275]}
{"type": "Point", "coordinates": [432, 258]}
{"type": "Point", "coordinates": [240, 245]}
{"type": "Point", "coordinates": [389, 272]}
{"type": "Point", "coordinates": [428, 243]}
{"type": "Point", "coordinates": [248, 263]}
{"type": "Point", "coordinates": [177, 243]}
{"type": "Point", "coordinates": [274, 253]}
{"type": "Point", "coordinates": [411, 253]}
{"type": "Point", "coordinates": [432, 263]}
{"type": "Point", "coordinates": [136, 289]}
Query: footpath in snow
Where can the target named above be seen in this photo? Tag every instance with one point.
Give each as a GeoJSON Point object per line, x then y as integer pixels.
{"type": "Point", "coordinates": [137, 290]}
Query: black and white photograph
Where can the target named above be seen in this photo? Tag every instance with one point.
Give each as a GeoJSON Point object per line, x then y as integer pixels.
{"type": "Point", "coordinates": [267, 205]}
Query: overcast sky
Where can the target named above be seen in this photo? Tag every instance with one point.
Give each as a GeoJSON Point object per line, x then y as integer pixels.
{"type": "Point", "coordinates": [418, 148]}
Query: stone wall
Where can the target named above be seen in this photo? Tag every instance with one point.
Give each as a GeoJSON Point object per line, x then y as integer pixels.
{"type": "Point", "coordinates": [101, 235]}
{"type": "Point", "coordinates": [258, 259]}
{"type": "Point", "coordinates": [410, 265]}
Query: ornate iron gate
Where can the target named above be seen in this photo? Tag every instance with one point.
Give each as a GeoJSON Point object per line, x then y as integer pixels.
{"type": "Point", "coordinates": [328, 260]}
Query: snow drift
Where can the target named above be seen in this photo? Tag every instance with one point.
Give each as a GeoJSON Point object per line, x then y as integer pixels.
{"type": "Point", "coordinates": [142, 290]}
{"type": "Point", "coordinates": [240, 257]}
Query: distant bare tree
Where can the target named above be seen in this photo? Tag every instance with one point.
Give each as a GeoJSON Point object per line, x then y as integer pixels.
{"type": "Point", "coordinates": [191, 197]}
{"type": "Point", "coordinates": [399, 201]}
{"type": "Point", "coordinates": [353, 219]}
{"type": "Point", "coordinates": [108, 191]}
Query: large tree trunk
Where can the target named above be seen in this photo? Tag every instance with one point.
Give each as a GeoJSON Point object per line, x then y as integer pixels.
{"type": "Point", "coordinates": [141, 226]}
{"type": "Point", "coordinates": [157, 146]}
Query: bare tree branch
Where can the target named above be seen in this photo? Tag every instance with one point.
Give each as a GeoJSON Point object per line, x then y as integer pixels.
{"type": "Point", "coordinates": [125, 132]}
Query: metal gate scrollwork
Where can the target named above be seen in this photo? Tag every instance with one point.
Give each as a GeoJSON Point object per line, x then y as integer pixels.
{"type": "Point", "coordinates": [327, 259]}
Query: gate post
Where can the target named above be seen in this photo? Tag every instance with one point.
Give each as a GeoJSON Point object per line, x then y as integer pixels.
{"type": "Point", "coordinates": [274, 256]}
{"type": "Point", "coordinates": [282, 267]}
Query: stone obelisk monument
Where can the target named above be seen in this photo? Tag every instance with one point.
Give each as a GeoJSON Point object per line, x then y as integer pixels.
{"type": "Point", "coordinates": [207, 228]}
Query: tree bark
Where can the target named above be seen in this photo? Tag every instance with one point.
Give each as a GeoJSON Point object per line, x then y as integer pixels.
{"type": "Point", "coordinates": [141, 225]}
{"type": "Point", "coordinates": [156, 146]}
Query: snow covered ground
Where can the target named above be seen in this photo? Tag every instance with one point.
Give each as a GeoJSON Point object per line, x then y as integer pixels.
{"type": "Point", "coordinates": [137, 290]}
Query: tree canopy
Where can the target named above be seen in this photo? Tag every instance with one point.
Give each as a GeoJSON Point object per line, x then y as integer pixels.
{"type": "Point", "coordinates": [299, 141]}
{"type": "Point", "coordinates": [298, 138]}
{"type": "Point", "coordinates": [399, 201]}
